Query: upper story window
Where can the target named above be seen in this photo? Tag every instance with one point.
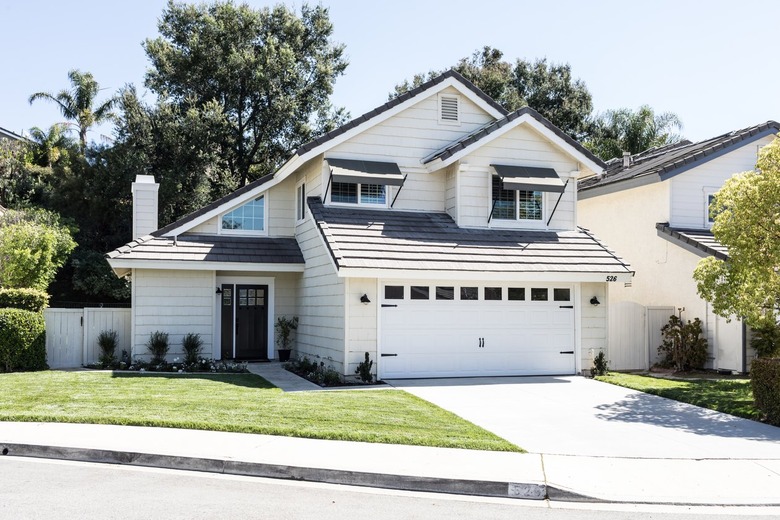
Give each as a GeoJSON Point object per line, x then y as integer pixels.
{"type": "Point", "coordinates": [249, 218]}
{"type": "Point", "coordinates": [516, 204]}
{"type": "Point", "coordinates": [709, 206]}
{"type": "Point", "coordinates": [355, 193]}
{"type": "Point", "coordinates": [300, 201]}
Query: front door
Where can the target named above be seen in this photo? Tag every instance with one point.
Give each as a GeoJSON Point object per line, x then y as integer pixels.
{"type": "Point", "coordinates": [249, 330]}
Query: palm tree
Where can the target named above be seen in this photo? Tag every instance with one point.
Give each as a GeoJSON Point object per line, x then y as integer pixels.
{"type": "Point", "coordinates": [624, 130]}
{"type": "Point", "coordinates": [49, 146]}
{"type": "Point", "coordinates": [77, 103]}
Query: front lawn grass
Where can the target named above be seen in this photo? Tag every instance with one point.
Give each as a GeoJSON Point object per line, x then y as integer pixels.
{"type": "Point", "coordinates": [236, 403]}
{"type": "Point", "coordinates": [731, 396]}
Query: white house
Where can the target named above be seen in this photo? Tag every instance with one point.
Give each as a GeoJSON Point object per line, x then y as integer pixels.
{"type": "Point", "coordinates": [437, 233]}
{"type": "Point", "coordinates": [654, 207]}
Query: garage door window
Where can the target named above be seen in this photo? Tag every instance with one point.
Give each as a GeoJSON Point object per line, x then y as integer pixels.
{"type": "Point", "coordinates": [445, 293]}
{"type": "Point", "coordinates": [539, 294]}
{"type": "Point", "coordinates": [469, 293]}
{"type": "Point", "coordinates": [562, 295]}
{"type": "Point", "coordinates": [394, 292]}
{"type": "Point", "coordinates": [420, 292]}
{"type": "Point", "coordinates": [516, 293]}
{"type": "Point", "coordinates": [493, 293]}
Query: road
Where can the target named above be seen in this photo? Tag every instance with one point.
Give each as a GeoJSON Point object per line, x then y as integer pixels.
{"type": "Point", "coordinates": [44, 489]}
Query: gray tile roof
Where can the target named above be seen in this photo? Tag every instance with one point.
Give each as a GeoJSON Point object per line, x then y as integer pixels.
{"type": "Point", "coordinates": [208, 248]}
{"type": "Point", "coordinates": [700, 239]}
{"type": "Point", "coordinates": [667, 161]}
{"type": "Point", "coordinates": [482, 132]}
{"type": "Point", "coordinates": [372, 239]}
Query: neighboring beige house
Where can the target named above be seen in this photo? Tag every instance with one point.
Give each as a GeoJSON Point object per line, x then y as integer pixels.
{"type": "Point", "coordinates": [654, 208]}
{"type": "Point", "coordinates": [437, 233]}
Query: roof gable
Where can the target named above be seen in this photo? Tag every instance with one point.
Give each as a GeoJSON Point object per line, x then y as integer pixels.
{"type": "Point", "coordinates": [660, 164]}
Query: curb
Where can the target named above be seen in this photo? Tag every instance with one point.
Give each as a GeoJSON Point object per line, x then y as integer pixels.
{"type": "Point", "coordinates": [258, 469]}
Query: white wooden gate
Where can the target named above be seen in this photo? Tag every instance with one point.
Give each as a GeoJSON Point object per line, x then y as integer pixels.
{"type": "Point", "coordinates": [71, 334]}
{"type": "Point", "coordinates": [627, 337]}
{"type": "Point", "coordinates": [657, 317]}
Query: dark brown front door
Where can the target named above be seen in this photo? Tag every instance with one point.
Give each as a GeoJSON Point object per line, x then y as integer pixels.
{"type": "Point", "coordinates": [251, 321]}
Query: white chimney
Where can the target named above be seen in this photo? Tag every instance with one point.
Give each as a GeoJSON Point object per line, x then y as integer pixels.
{"type": "Point", "coordinates": [144, 205]}
{"type": "Point", "coordinates": [626, 159]}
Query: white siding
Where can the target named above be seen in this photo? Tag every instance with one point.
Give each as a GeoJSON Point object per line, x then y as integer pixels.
{"type": "Point", "coordinates": [475, 197]}
{"type": "Point", "coordinates": [209, 227]}
{"type": "Point", "coordinates": [281, 209]}
{"type": "Point", "coordinates": [361, 322]}
{"type": "Point", "coordinates": [451, 194]}
{"type": "Point", "coordinates": [593, 320]}
{"type": "Point", "coordinates": [688, 188]}
{"type": "Point", "coordinates": [176, 302]}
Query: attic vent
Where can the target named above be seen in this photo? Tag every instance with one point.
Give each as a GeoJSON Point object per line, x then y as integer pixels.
{"type": "Point", "coordinates": [449, 109]}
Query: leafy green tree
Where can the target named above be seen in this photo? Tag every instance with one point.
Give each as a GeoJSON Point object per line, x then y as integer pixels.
{"type": "Point", "coordinates": [747, 222]}
{"type": "Point", "coordinates": [93, 276]}
{"type": "Point", "coordinates": [50, 146]}
{"type": "Point", "coordinates": [546, 87]}
{"type": "Point", "coordinates": [78, 103]}
{"type": "Point", "coordinates": [626, 130]}
{"type": "Point", "coordinates": [269, 72]}
{"type": "Point", "coordinates": [33, 245]}
{"type": "Point", "coordinates": [22, 182]}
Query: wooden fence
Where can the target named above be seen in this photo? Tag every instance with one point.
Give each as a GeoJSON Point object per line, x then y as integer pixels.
{"type": "Point", "coordinates": [71, 334]}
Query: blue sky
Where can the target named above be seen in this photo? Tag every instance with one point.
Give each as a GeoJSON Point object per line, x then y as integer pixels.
{"type": "Point", "coordinates": [711, 62]}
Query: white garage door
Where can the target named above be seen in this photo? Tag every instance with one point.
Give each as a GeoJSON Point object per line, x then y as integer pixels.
{"type": "Point", "coordinates": [461, 330]}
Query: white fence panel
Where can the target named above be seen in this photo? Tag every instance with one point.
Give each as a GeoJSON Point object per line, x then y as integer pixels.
{"type": "Point", "coordinates": [627, 348]}
{"type": "Point", "coordinates": [64, 337]}
{"type": "Point", "coordinates": [657, 317]}
{"type": "Point", "coordinates": [71, 334]}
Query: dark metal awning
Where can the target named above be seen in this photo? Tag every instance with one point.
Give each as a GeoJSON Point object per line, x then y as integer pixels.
{"type": "Point", "coordinates": [367, 172]}
{"type": "Point", "coordinates": [528, 178]}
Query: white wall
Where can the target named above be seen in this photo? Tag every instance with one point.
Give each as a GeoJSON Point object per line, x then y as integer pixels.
{"type": "Point", "coordinates": [593, 319]}
{"type": "Point", "coordinates": [361, 335]}
{"type": "Point", "coordinates": [172, 301]}
{"type": "Point", "coordinates": [688, 188]}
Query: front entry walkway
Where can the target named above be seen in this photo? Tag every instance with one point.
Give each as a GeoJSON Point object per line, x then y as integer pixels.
{"type": "Point", "coordinates": [274, 373]}
{"type": "Point", "coordinates": [574, 415]}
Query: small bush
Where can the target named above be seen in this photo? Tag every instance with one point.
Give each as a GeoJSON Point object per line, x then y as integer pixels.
{"type": "Point", "coordinates": [108, 341]}
{"type": "Point", "coordinates": [766, 339]}
{"type": "Point", "coordinates": [684, 348]}
{"type": "Point", "coordinates": [22, 340]}
{"type": "Point", "coordinates": [31, 300]}
{"type": "Point", "coordinates": [158, 346]}
{"type": "Point", "coordinates": [318, 374]}
{"type": "Point", "coordinates": [192, 345]}
{"type": "Point", "coordinates": [600, 365]}
{"type": "Point", "coordinates": [363, 370]}
{"type": "Point", "coordinates": [765, 381]}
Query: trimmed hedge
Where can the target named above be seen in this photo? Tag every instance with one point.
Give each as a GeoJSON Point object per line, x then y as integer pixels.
{"type": "Point", "coordinates": [22, 340]}
{"type": "Point", "coordinates": [26, 299]}
{"type": "Point", "coordinates": [765, 381]}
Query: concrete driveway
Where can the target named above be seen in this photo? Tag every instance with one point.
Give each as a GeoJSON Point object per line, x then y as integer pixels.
{"type": "Point", "coordinates": [582, 417]}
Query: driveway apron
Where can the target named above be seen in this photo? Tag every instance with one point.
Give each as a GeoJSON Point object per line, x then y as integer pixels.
{"type": "Point", "coordinates": [582, 417]}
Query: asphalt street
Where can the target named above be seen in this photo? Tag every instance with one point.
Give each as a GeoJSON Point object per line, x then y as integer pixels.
{"type": "Point", "coordinates": [42, 489]}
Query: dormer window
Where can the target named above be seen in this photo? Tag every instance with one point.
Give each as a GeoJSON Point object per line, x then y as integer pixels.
{"type": "Point", "coordinates": [449, 109]}
{"type": "Point", "coordinates": [362, 182]}
{"type": "Point", "coordinates": [247, 219]}
{"type": "Point", "coordinates": [516, 204]}
{"type": "Point", "coordinates": [357, 193]}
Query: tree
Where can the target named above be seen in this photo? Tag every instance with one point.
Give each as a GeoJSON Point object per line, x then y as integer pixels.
{"type": "Point", "coordinates": [77, 104]}
{"type": "Point", "coordinates": [625, 130]}
{"type": "Point", "coordinates": [547, 88]}
{"type": "Point", "coordinates": [49, 147]}
{"type": "Point", "coordinates": [33, 245]}
{"type": "Point", "coordinates": [747, 222]}
{"type": "Point", "coordinates": [268, 71]}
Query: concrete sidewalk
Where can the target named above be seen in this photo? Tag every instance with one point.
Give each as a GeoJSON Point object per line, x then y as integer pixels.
{"type": "Point", "coordinates": [415, 468]}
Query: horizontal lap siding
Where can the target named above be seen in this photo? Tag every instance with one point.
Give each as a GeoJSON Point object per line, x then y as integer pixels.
{"type": "Point", "coordinates": [176, 302]}
{"type": "Point", "coordinates": [687, 188]}
{"type": "Point", "coordinates": [281, 209]}
{"type": "Point", "coordinates": [594, 322]}
{"type": "Point", "coordinates": [206, 228]}
{"type": "Point", "coordinates": [362, 320]}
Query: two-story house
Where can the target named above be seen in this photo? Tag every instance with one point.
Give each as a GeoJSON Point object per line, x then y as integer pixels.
{"type": "Point", "coordinates": [437, 233]}
{"type": "Point", "coordinates": [654, 206]}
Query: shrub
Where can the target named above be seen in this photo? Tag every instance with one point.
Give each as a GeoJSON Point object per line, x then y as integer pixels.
{"type": "Point", "coordinates": [28, 299]}
{"type": "Point", "coordinates": [600, 365]}
{"type": "Point", "coordinates": [284, 331]}
{"type": "Point", "coordinates": [766, 339]}
{"type": "Point", "coordinates": [192, 345]}
{"type": "Point", "coordinates": [108, 341]}
{"type": "Point", "coordinates": [158, 346]}
{"type": "Point", "coordinates": [684, 348]}
{"type": "Point", "coordinates": [765, 381]}
{"type": "Point", "coordinates": [363, 370]}
{"type": "Point", "coordinates": [22, 340]}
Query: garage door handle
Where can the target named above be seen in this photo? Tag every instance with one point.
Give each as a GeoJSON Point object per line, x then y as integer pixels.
{"type": "Point", "coordinates": [389, 305]}
{"type": "Point", "coordinates": [566, 306]}
{"type": "Point", "coordinates": [388, 355]}
{"type": "Point", "coordinates": [567, 352]}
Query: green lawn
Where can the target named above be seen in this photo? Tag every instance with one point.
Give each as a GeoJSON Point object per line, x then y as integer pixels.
{"type": "Point", "coordinates": [732, 396]}
{"type": "Point", "coordinates": [236, 403]}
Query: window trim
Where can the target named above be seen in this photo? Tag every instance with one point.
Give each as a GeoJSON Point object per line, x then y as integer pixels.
{"type": "Point", "coordinates": [708, 191]}
{"type": "Point", "coordinates": [359, 185]}
{"type": "Point", "coordinates": [300, 201]}
{"type": "Point", "coordinates": [516, 222]}
{"type": "Point", "coordinates": [246, 232]}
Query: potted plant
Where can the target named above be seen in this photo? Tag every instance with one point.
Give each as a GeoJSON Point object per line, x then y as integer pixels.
{"type": "Point", "coordinates": [284, 335]}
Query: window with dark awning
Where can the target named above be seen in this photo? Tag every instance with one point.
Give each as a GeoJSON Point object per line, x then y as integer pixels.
{"type": "Point", "coordinates": [527, 178]}
{"type": "Point", "coordinates": [365, 172]}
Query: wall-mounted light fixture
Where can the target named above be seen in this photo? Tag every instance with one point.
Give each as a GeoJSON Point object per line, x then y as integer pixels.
{"type": "Point", "coordinates": [219, 290]}
{"type": "Point", "coordinates": [595, 301]}
{"type": "Point", "coordinates": [364, 299]}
